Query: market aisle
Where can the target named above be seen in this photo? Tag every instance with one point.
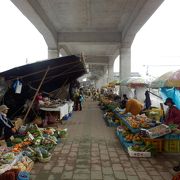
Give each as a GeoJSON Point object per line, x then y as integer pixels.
{"type": "Point", "coordinates": [92, 151]}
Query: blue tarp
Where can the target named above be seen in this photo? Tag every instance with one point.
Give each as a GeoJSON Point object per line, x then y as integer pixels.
{"type": "Point", "coordinates": [172, 93]}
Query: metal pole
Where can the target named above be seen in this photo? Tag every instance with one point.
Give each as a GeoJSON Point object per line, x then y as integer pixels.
{"type": "Point", "coordinates": [36, 94]}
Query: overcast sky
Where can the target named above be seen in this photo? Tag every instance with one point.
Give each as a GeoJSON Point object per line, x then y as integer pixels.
{"type": "Point", "coordinates": [157, 43]}
{"type": "Point", "coordinates": [20, 40]}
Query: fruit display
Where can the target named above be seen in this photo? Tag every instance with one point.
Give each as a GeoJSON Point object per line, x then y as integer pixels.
{"type": "Point", "coordinates": [129, 137]}
{"type": "Point", "coordinates": [140, 121]}
{"type": "Point", "coordinates": [117, 121]}
{"type": "Point", "coordinates": [137, 139]}
{"type": "Point", "coordinates": [49, 131]}
{"type": "Point", "coordinates": [125, 132]}
{"type": "Point", "coordinates": [145, 125]}
{"type": "Point", "coordinates": [158, 131]}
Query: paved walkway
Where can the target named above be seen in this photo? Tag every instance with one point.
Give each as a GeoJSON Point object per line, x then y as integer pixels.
{"type": "Point", "coordinates": [92, 151]}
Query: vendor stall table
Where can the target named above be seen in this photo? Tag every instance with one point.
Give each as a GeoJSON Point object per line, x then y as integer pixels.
{"type": "Point", "coordinates": [63, 109]}
{"type": "Point", "coordinates": [70, 106]}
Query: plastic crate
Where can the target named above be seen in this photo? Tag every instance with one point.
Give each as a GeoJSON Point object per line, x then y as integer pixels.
{"type": "Point", "coordinates": [157, 143]}
{"type": "Point", "coordinates": [172, 136]}
{"type": "Point", "coordinates": [172, 146]}
{"type": "Point", "coordinates": [112, 124]}
{"type": "Point", "coordinates": [124, 143]}
{"type": "Point", "coordinates": [158, 131]}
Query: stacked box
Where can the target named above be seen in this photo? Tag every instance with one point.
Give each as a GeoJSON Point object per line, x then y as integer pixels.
{"type": "Point", "coordinates": [172, 146]}
{"type": "Point", "coordinates": [138, 154]}
{"type": "Point", "coordinates": [157, 143]}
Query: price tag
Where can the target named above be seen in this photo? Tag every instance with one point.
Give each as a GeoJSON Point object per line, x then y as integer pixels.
{"type": "Point", "coordinates": [30, 136]}
{"type": "Point", "coordinates": [12, 138]}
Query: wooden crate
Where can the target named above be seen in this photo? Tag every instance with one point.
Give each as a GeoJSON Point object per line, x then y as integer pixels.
{"type": "Point", "coordinates": [157, 143]}
{"type": "Point", "coordinates": [172, 146]}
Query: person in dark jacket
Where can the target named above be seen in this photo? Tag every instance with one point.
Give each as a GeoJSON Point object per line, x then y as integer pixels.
{"type": "Point", "coordinates": [124, 101]}
{"type": "Point", "coordinates": [147, 101]}
{"type": "Point", "coordinates": [80, 99]}
{"type": "Point", "coordinates": [6, 126]}
{"type": "Point", "coordinates": [173, 113]}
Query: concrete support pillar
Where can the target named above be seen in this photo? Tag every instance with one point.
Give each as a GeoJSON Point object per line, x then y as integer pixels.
{"type": "Point", "coordinates": [110, 73]}
{"type": "Point", "coordinates": [53, 53]}
{"type": "Point", "coordinates": [105, 77]}
{"type": "Point", "coordinates": [125, 62]}
{"type": "Point", "coordinates": [103, 80]}
{"type": "Point", "coordinates": [125, 68]}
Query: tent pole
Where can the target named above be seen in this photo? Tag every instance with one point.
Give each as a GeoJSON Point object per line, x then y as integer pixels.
{"type": "Point", "coordinates": [36, 94]}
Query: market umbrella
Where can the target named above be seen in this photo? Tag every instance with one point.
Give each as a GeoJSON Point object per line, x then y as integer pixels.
{"type": "Point", "coordinates": [134, 82]}
{"type": "Point", "coordinates": [112, 84]}
{"type": "Point", "coordinates": [169, 79]}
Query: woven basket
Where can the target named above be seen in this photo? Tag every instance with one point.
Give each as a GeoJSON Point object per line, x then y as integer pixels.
{"type": "Point", "coordinates": [44, 160]}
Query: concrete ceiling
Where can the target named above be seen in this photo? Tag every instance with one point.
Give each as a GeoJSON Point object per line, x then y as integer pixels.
{"type": "Point", "coordinates": [95, 27]}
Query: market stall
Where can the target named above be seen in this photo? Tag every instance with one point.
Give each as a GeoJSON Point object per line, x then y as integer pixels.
{"type": "Point", "coordinates": [47, 76]}
{"type": "Point", "coordinates": [141, 135]}
{"type": "Point", "coordinates": [31, 144]}
{"type": "Point", "coordinates": [169, 84]}
{"type": "Point", "coordinates": [70, 107]}
{"type": "Point", "coordinates": [62, 109]}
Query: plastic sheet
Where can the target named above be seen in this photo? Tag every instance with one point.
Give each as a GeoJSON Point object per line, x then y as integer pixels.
{"type": "Point", "coordinates": [173, 93]}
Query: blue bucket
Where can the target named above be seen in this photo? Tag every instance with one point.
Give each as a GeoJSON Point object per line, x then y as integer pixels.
{"type": "Point", "coordinates": [66, 117]}
{"type": "Point", "coordinates": [23, 175]}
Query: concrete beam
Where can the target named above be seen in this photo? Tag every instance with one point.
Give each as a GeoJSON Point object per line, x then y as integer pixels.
{"type": "Point", "coordinates": [138, 19]}
{"type": "Point", "coordinates": [64, 50]}
{"type": "Point", "coordinates": [97, 59]}
{"type": "Point", "coordinates": [97, 63]}
{"type": "Point", "coordinates": [89, 37]}
{"type": "Point", "coordinates": [33, 11]}
{"type": "Point", "coordinates": [53, 53]}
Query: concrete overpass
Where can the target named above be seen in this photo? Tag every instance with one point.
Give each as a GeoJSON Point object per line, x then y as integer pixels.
{"type": "Point", "coordinates": [101, 29]}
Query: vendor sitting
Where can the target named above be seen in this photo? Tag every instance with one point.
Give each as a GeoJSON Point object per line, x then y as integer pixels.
{"type": "Point", "coordinates": [124, 101]}
{"type": "Point", "coordinates": [173, 113]}
{"type": "Point", "coordinates": [6, 126]}
{"type": "Point", "coordinates": [39, 100]}
{"type": "Point", "coordinates": [133, 106]}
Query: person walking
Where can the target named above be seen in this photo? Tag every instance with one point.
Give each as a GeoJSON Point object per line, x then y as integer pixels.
{"type": "Point", "coordinates": [81, 98]}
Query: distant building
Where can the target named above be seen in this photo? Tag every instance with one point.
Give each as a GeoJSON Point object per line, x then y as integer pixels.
{"type": "Point", "coordinates": [133, 74]}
